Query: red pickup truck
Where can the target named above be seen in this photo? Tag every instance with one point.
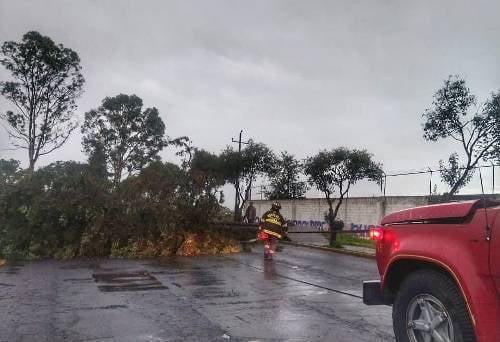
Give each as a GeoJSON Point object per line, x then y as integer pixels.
{"type": "Point", "coordinates": [440, 270]}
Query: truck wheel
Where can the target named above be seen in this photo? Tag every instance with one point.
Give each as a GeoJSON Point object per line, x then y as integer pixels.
{"type": "Point", "coordinates": [429, 307]}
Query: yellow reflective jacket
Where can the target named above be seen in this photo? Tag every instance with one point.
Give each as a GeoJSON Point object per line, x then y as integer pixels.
{"type": "Point", "coordinates": [273, 223]}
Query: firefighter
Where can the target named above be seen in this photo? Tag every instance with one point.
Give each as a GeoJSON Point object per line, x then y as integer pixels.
{"type": "Point", "coordinates": [272, 228]}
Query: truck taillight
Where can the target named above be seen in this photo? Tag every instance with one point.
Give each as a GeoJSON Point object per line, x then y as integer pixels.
{"type": "Point", "coordinates": [376, 234]}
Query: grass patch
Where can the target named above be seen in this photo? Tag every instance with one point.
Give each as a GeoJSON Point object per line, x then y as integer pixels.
{"type": "Point", "coordinates": [350, 240]}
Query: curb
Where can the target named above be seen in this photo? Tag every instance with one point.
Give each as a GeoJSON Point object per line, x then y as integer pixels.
{"type": "Point", "coordinates": [331, 250]}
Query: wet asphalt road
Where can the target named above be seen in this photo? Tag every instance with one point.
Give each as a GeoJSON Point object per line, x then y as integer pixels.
{"type": "Point", "coordinates": [303, 295]}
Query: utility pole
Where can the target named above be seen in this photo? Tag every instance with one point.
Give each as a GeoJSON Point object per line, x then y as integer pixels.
{"type": "Point", "coordinates": [237, 215]}
{"type": "Point", "coordinates": [430, 181]}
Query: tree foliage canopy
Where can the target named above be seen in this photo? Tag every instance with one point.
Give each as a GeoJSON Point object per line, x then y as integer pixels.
{"type": "Point", "coordinates": [127, 136]}
{"type": "Point", "coordinates": [65, 210]}
{"type": "Point", "coordinates": [492, 108]}
{"type": "Point", "coordinates": [44, 213]}
{"type": "Point", "coordinates": [284, 174]}
{"type": "Point", "coordinates": [207, 170]}
{"type": "Point", "coordinates": [47, 81]}
{"type": "Point", "coordinates": [336, 171]}
{"type": "Point", "coordinates": [186, 150]}
{"type": "Point", "coordinates": [243, 169]}
{"type": "Point", "coordinates": [9, 173]}
{"type": "Point", "coordinates": [451, 172]}
{"type": "Point", "coordinates": [455, 115]}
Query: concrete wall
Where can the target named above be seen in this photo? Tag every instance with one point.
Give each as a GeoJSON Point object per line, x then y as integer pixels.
{"type": "Point", "coordinates": [358, 213]}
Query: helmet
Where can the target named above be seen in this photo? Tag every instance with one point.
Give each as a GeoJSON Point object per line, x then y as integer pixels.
{"type": "Point", "coordinates": [276, 206]}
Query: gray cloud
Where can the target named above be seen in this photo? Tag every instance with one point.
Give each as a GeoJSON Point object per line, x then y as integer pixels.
{"type": "Point", "coordinates": [321, 73]}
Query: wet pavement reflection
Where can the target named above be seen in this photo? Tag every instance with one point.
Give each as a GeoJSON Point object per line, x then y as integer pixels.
{"type": "Point", "coordinates": [302, 295]}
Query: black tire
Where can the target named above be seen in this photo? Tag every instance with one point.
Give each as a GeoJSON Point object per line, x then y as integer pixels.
{"type": "Point", "coordinates": [431, 284]}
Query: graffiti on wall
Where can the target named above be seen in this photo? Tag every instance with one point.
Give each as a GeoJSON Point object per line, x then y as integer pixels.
{"type": "Point", "coordinates": [323, 226]}
{"type": "Point", "coordinates": [319, 225]}
{"type": "Point", "coordinates": [361, 226]}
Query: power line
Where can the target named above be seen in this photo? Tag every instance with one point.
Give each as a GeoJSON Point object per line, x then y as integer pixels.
{"type": "Point", "coordinates": [421, 172]}
{"type": "Point", "coordinates": [437, 170]}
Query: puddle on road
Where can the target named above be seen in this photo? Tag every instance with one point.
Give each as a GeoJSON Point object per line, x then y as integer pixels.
{"type": "Point", "coordinates": [79, 280]}
{"type": "Point", "coordinates": [214, 292]}
{"type": "Point", "coordinates": [185, 275]}
{"type": "Point", "coordinates": [6, 285]}
{"type": "Point", "coordinates": [206, 279]}
{"type": "Point", "coordinates": [168, 272]}
{"type": "Point", "coordinates": [107, 307]}
{"type": "Point", "coordinates": [81, 266]}
{"type": "Point", "coordinates": [12, 268]}
{"type": "Point", "coordinates": [127, 281]}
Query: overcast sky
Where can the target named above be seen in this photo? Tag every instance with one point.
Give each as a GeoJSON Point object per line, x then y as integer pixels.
{"type": "Point", "coordinates": [299, 76]}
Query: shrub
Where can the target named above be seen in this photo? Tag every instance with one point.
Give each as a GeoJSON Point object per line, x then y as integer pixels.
{"type": "Point", "coordinates": [67, 209]}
